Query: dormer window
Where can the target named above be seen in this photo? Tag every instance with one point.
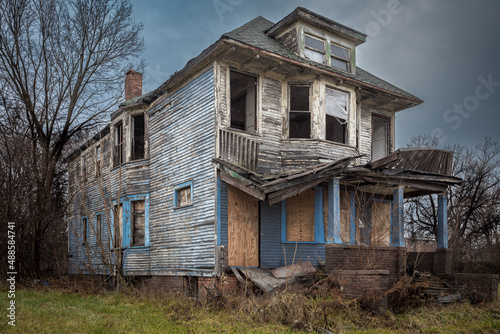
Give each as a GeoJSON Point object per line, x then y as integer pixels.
{"type": "Point", "coordinates": [314, 49]}
{"type": "Point", "coordinates": [339, 57]}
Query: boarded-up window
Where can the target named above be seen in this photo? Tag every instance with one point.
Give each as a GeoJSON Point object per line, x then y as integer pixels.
{"type": "Point", "coordinates": [183, 196]}
{"type": "Point", "coordinates": [98, 228]}
{"type": "Point", "coordinates": [138, 137]}
{"type": "Point", "coordinates": [243, 101]}
{"type": "Point", "coordinates": [138, 223]}
{"type": "Point", "coordinates": [118, 224]}
{"type": "Point", "coordinates": [85, 227]}
{"type": "Point", "coordinates": [345, 214]}
{"type": "Point", "coordinates": [118, 147]}
{"type": "Point", "coordinates": [380, 223]}
{"type": "Point", "coordinates": [300, 113]}
{"type": "Point", "coordinates": [336, 115]}
{"type": "Point", "coordinates": [300, 217]}
{"type": "Point", "coordinates": [314, 48]}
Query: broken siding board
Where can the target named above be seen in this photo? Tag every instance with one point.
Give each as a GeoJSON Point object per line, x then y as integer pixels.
{"type": "Point", "coordinates": [182, 130]}
{"type": "Point", "coordinates": [243, 229]}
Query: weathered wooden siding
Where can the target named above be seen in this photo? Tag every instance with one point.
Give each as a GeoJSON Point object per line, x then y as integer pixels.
{"type": "Point", "coordinates": [272, 250]}
{"type": "Point", "coordinates": [365, 136]}
{"type": "Point", "coordinates": [182, 137]}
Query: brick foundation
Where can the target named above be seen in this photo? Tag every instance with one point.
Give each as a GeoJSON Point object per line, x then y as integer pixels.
{"type": "Point", "coordinates": [369, 286]}
{"type": "Point", "coordinates": [438, 262]}
{"type": "Point", "coordinates": [352, 257]}
{"type": "Point", "coordinates": [229, 286]}
{"type": "Point", "coordinates": [476, 287]}
{"type": "Point", "coordinates": [169, 284]}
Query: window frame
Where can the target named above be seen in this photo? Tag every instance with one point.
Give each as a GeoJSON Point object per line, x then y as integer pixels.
{"type": "Point", "coordinates": [120, 159]}
{"type": "Point", "coordinates": [177, 188]}
{"type": "Point", "coordinates": [347, 120]}
{"type": "Point", "coordinates": [132, 222]}
{"type": "Point", "coordinates": [388, 133]}
{"type": "Point", "coordinates": [256, 101]}
{"type": "Point", "coordinates": [325, 47]}
{"type": "Point", "coordinates": [98, 161]}
{"type": "Point", "coordinates": [290, 111]}
{"type": "Point", "coordinates": [126, 202]}
{"type": "Point", "coordinates": [133, 136]}
{"type": "Point", "coordinates": [85, 230]}
{"type": "Point", "coordinates": [347, 61]}
{"type": "Point", "coordinates": [319, 229]}
{"type": "Point", "coordinates": [98, 228]}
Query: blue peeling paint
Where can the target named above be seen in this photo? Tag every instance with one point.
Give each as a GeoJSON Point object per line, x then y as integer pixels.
{"type": "Point", "coordinates": [334, 211]}
{"type": "Point", "coordinates": [352, 234]}
{"type": "Point", "coordinates": [397, 234]}
{"type": "Point", "coordinates": [442, 237]}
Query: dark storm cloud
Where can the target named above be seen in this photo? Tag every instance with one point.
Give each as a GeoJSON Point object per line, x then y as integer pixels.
{"type": "Point", "coordinates": [441, 51]}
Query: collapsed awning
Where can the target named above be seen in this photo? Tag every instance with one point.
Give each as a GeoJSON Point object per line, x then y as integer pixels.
{"type": "Point", "coordinates": [381, 177]}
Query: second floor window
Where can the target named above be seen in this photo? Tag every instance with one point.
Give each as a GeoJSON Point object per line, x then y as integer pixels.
{"type": "Point", "coordinates": [118, 146]}
{"type": "Point", "coordinates": [300, 113]}
{"type": "Point", "coordinates": [336, 115]}
{"type": "Point", "coordinates": [314, 48]}
{"type": "Point", "coordinates": [138, 124]}
{"type": "Point", "coordinates": [84, 168]}
{"type": "Point", "coordinates": [98, 161]}
{"type": "Point", "coordinates": [243, 102]}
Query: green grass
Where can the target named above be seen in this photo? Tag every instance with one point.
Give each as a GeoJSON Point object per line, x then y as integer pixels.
{"type": "Point", "coordinates": [53, 311]}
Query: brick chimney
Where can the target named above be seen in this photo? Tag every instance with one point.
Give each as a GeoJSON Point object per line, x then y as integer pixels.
{"type": "Point", "coordinates": [133, 84]}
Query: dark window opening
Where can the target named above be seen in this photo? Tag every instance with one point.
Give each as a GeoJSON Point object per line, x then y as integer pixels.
{"type": "Point", "coordinates": [243, 102]}
{"type": "Point", "coordinates": [84, 230]}
{"type": "Point", "coordinates": [138, 137]}
{"type": "Point", "coordinates": [300, 115]}
{"type": "Point", "coordinates": [119, 148]}
{"type": "Point", "coordinates": [98, 228]}
{"type": "Point", "coordinates": [380, 138]}
{"type": "Point", "coordinates": [118, 225]}
{"type": "Point", "coordinates": [335, 130]}
{"type": "Point", "coordinates": [138, 223]}
{"type": "Point", "coordinates": [84, 168]}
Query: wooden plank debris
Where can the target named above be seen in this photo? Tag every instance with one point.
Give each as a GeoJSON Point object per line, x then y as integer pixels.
{"type": "Point", "coordinates": [297, 269]}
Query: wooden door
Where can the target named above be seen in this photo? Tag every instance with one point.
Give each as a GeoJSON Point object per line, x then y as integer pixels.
{"type": "Point", "coordinates": [242, 229]}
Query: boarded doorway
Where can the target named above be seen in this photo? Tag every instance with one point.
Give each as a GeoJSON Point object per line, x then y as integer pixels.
{"type": "Point", "coordinates": [242, 229]}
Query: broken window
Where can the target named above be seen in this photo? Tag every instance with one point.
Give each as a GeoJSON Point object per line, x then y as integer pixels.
{"type": "Point", "coordinates": [138, 229]}
{"type": "Point", "coordinates": [84, 230]}
{"type": "Point", "coordinates": [300, 114]}
{"type": "Point", "coordinates": [118, 225]}
{"type": "Point", "coordinates": [98, 161]}
{"type": "Point", "coordinates": [300, 217]}
{"type": "Point", "coordinates": [336, 115]}
{"type": "Point", "coordinates": [243, 102]}
{"type": "Point", "coordinates": [380, 137]}
{"type": "Point", "coordinates": [98, 228]}
{"type": "Point", "coordinates": [138, 124]}
{"type": "Point", "coordinates": [183, 195]}
{"type": "Point", "coordinates": [118, 147]}
{"type": "Point", "coordinates": [339, 57]}
{"type": "Point", "coordinates": [314, 48]}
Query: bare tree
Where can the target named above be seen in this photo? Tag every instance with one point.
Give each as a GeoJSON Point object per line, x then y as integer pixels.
{"type": "Point", "coordinates": [473, 207]}
{"type": "Point", "coordinates": [62, 65]}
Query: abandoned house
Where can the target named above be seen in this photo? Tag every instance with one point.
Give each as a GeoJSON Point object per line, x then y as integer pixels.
{"type": "Point", "coordinates": [271, 147]}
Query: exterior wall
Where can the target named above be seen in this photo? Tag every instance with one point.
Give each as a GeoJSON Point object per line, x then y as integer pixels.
{"type": "Point", "coordinates": [182, 136]}
{"type": "Point", "coordinates": [370, 286]}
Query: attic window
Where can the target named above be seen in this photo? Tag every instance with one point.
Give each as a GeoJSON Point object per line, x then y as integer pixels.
{"type": "Point", "coordinates": [300, 114]}
{"type": "Point", "coordinates": [243, 101]}
{"type": "Point", "coordinates": [339, 57]}
{"type": "Point", "coordinates": [336, 115]}
{"type": "Point", "coordinates": [314, 49]}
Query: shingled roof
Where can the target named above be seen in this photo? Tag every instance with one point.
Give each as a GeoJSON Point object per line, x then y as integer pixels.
{"type": "Point", "coordinates": [254, 34]}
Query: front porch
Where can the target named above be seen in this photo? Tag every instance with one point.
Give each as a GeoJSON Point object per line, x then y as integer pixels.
{"type": "Point", "coordinates": [338, 215]}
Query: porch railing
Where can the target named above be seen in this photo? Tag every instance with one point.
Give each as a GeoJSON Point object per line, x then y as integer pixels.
{"type": "Point", "coordinates": [238, 149]}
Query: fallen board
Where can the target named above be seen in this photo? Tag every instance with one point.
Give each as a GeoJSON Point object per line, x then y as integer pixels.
{"type": "Point", "coordinates": [293, 270]}
{"type": "Point", "coordinates": [262, 278]}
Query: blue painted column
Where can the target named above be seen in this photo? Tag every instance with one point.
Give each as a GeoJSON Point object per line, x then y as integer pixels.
{"type": "Point", "coordinates": [442, 237]}
{"type": "Point", "coordinates": [397, 231]}
{"type": "Point", "coordinates": [352, 235]}
{"type": "Point", "coordinates": [334, 211]}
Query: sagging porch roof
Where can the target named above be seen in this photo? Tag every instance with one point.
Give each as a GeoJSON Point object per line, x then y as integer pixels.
{"type": "Point", "coordinates": [374, 178]}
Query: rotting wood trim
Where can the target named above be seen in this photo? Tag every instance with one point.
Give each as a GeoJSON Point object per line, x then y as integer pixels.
{"type": "Point", "coordinates": [251, 190]}
{"type": "Point", "coordinates": [278, 196]}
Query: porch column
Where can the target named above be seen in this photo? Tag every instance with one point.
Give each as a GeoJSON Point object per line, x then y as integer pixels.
{"type": "Point", "coordinates": [442, 237]}
{"type": "Point", "coordinates": [334, 211]}
{"type": "Point", "coordinates": [397, 232]}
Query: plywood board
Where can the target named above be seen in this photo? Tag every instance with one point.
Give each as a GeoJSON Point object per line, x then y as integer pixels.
{"type": "Point", "coordinates": [300, 217]}
{"type": "Point", "coordinates": [293, 270]}
{"type": "Point", "coordinates": [345, 216]}
{"type": "Point", "coordinates": [380, 223]}
{"type": "Point", "coordinates": [243, 229]}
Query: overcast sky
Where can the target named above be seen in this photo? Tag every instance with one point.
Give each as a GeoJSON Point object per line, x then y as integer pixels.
{"type": "Point", "coordinates": [446, 52]}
